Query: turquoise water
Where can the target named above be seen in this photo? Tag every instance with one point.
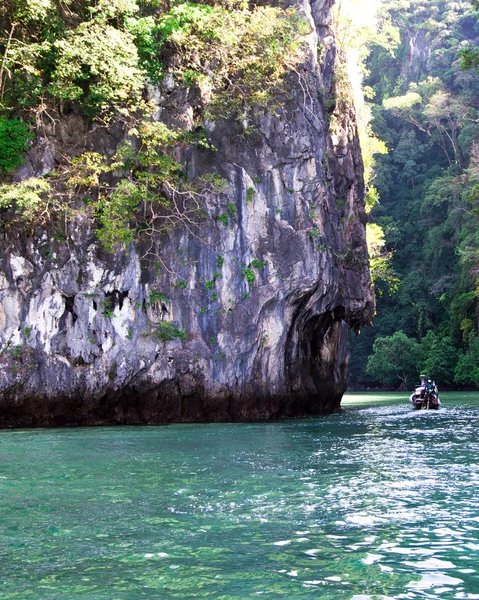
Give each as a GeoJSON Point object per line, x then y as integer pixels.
{"type": "Point", "coordinates": [379, 501]}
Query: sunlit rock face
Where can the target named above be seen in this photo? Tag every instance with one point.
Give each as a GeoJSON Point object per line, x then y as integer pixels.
{"type": "Point", "coordinates": [84, 333]}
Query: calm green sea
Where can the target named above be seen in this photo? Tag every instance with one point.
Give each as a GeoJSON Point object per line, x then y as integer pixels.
{"type": "Point", "coordinates": [379, 501]}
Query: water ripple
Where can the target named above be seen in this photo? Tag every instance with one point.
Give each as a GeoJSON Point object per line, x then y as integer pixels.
{"type": "Point", "coordinates": [377, 502]}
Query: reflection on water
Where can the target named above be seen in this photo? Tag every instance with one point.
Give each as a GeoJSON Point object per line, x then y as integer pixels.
{"type": "Point", "coordinates": [377, 502]}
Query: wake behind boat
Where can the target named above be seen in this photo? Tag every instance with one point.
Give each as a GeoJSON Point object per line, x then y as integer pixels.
{"type": "Point", "coordinates": [425, 396]}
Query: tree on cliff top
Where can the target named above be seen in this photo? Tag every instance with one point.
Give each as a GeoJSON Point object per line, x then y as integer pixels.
{"type": "Point", "coordinates": [93, 58]}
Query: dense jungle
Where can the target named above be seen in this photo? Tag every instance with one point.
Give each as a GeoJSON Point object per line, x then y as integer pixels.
{"type": "Point", "coordinates": [421, 87]}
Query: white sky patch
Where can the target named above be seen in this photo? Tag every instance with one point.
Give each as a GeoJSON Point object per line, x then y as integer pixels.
{"type": "Point", "coordinates": [362, 14]}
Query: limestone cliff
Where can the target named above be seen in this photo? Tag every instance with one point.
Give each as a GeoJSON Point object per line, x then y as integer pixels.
{"type": "Point", "coordinates": [239, 318]}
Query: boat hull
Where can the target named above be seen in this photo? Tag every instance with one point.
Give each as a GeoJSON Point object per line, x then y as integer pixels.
{"type": "Point", "coordinates": [424, 403]}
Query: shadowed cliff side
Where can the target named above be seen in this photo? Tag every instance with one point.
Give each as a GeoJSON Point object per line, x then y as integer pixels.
{"type": "Point", "coordinates": [240, 315]}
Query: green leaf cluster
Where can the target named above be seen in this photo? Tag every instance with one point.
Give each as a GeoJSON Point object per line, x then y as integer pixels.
{"type": "Point", "coordinates": [97, 65]}
{"type": "Point", "coordinates": [29, 197]}
{"type": "Point", "coordinates": [14, 138]}
{"type": "Point", "coordinates": [239, 59]}
{"type": "Point", "coordinates": [394, 359]}
{"type": "Point", "coordinates": [400, 359]}
{"type": "Point", "coordinates": [168, 331]}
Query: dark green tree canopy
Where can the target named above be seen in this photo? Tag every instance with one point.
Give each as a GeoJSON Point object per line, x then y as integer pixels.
{"type": "Point", "coordinates": [425, 107]}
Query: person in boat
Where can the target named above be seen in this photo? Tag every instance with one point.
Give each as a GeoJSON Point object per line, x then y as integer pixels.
{"type": "Point", "coordinates": [421, 388]}
{"type": "Point", "coordinates": [430, 387]}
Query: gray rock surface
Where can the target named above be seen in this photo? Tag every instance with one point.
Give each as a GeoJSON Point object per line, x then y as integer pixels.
{"type": "Point", "coordinates": [79, 327]}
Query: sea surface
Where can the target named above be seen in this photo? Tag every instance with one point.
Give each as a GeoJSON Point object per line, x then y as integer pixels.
{"type": "Point", "coordinates": [377, 502]}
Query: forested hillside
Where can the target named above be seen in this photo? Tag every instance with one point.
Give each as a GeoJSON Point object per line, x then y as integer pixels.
{"type": "Point", "coordinates": [424, 93]}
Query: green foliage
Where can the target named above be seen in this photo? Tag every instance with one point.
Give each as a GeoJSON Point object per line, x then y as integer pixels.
{"type": "Point", "coordinates": [91, 59]}
{"type": "Point", "coordinates": [152, 179]}
{"type": "Point", "coordinates": [156, 297]}
{"type": "Point", "coordinates": [114, 214]}
{"type": "Point", "coordinates": [209, 285]}
{"type": "Point", "coordinates": [108, 312]}
{"type": "Point", "coordinates": [223, 218]}
{"type": "Point", "coordinates": [97, 54]}
{"type": "Point", "coordinates": [250, 194]}
{"type": "Point", "coordinates": [144, 31]}
{"type": "Point", "coordinates": [168, 331]}
{"type": "Point", "coordinates": [181, 283]}
{"type": "Point", "coordinates": [220, 261]}
{"type": "Point", "coordinates": [209, 181]}
{"type": "Point", "coordinates": [467, 368]}
{"type": "Point", "coordinates": [394, 359]}
{"type": "Point", "coordinates": [248, 274]}
{"type": "Point", "coordinates": [469, 58]}
{"type": "Point", "coordinates": [86, 170]}
{"type": "Point", "coordinates": [440, 357]}
{"type": "Point", "coordinates": [402, 103]}
{"type": "Point", "coordinates": [14, 139]}
{"type": "Point", "coordinates": [252, 50]}
{"type": "Point", "coordinates": [15, 353]}
{"type": "Point", "coordinates": [467, 328]}
{"type": "Point", "coordinates": [98, 65]}
{"type": "Point", "coordinates": [258, 264]}
{"type": "Point", "coordinates": [29, 197]}
{"type": "Point", "coordinates": [22, 81]}
{"type": "Point", "coordinates": [82, 54]}
{"type": "Point", "coordinates": [380, 259]}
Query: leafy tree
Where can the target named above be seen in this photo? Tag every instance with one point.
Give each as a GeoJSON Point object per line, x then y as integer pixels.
{"type": "Point", "coordinates": [14, 138]}
{"type": "Point", "coordinates": [97, 64]}
{"type": "Point", "coordinates": [440, 357]}
{"type": "Point", "coordinates": [470, 55]}
{"type": "Point", "coordinates": [394, 359]}
{"type": "Point", "coordinates": [380, 259]}
{"type": "Point", "coordinates": [467, 369]}
{"type": "Point", "coordinates": [252, 52]}
{"type": "Point", "coordinates": [30, 197]}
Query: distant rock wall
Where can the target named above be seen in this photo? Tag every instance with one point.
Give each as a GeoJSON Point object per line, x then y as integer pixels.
{"type": "Point", "coordinates": [85, 333]}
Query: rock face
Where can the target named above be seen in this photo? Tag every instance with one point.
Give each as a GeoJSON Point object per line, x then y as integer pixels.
{"type": "Point", "coordinates": [246, 318]}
